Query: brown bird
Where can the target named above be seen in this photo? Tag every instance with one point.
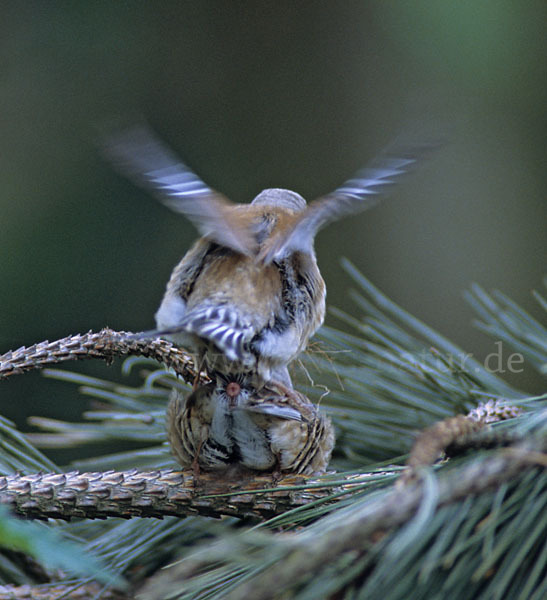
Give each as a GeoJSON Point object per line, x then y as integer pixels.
{"type": "Point", "coordinates": [248, 295]}
{"type": "Point", "coordinates": [227, 427]}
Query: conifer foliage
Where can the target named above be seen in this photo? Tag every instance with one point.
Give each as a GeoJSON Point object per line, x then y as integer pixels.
{"type": "Point", "coordinates": [466, 518]}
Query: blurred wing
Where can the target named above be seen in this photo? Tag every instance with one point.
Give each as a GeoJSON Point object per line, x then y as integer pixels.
{"type": "Point", "coordinates": [140, 155]}
{"type": "Point", "coordinates": [364, 190]}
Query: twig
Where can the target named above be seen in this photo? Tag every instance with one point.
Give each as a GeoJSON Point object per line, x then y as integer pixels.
{"type": "Point", "coordinates": [455, 434]}
{"type": "Point", "coordinates": [106, 344]}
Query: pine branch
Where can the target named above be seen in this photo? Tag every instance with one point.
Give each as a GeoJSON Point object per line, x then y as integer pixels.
{"type": "Point", "coordinates": [166, 493]}
{"type": "Point", "coordinates": [54, 592]}
{"type": "Point", "coordinates": [457, 433]}
{"type": "Point", "coordinates": [471, 523]}
{"type": "Point", "coordinates": [154, 494]}
{"type": "Point", "coordinates": [163, 493]}
{"type": "Point", "coordinates": [301, 556]}
{"type": "Point", "coordinates": [106, 344]}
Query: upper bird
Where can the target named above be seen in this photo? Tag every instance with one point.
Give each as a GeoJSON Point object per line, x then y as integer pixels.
{"type": "Point", "coordinates": [248, 294]}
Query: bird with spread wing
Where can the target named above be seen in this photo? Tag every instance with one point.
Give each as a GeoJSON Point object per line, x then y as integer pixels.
{"type": "Point", "coordinates": [248, 294]}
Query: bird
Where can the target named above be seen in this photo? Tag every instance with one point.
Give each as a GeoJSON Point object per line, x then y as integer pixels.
{"type": "Point", "coordinates": [248, 295]}
{"type": "Point", "coordinates": [230, 429]}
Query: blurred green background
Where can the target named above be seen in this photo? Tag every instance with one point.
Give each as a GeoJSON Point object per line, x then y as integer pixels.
{"type": "Point", "coordinates": [256, 95]}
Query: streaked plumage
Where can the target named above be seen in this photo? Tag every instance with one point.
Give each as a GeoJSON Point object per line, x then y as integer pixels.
{"type": "Point", "coordinates": [248, 295]}
{"type": "Point", "coordinates": [274, 430]}
{"type": "Point", "coordinates": [240, 315]}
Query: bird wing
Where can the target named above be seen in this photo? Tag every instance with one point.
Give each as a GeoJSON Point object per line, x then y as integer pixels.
{"type": "Point", "coordinates": [219, 324]}
{"type": "Point", "coordinates": [223, 326]}
{"type": "Point", "coordinates": [141, 156]}
{"type": "Point", "coordinates": [364, 190]}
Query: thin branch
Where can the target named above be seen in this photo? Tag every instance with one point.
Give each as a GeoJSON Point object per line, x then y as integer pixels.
{"type": "Point", "coordinates": [455, 434]}
{"type": "Point", "coordinates": [435, 439]}
{"type": "Point", "coordinates": [106, 344]}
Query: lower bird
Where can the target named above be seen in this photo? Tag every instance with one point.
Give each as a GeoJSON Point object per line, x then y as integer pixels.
{"type": "Point", "coordinates": [229, 427]}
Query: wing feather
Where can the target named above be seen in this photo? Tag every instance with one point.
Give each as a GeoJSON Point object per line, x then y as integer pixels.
{"type": "Point", "coordinates": [142, 157]}
{"type": "Point", "coordinates": [363, 191]}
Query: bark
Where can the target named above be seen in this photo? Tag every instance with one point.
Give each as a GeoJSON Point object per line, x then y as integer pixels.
{"type": "Point", "coordinates": [156, 494]}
